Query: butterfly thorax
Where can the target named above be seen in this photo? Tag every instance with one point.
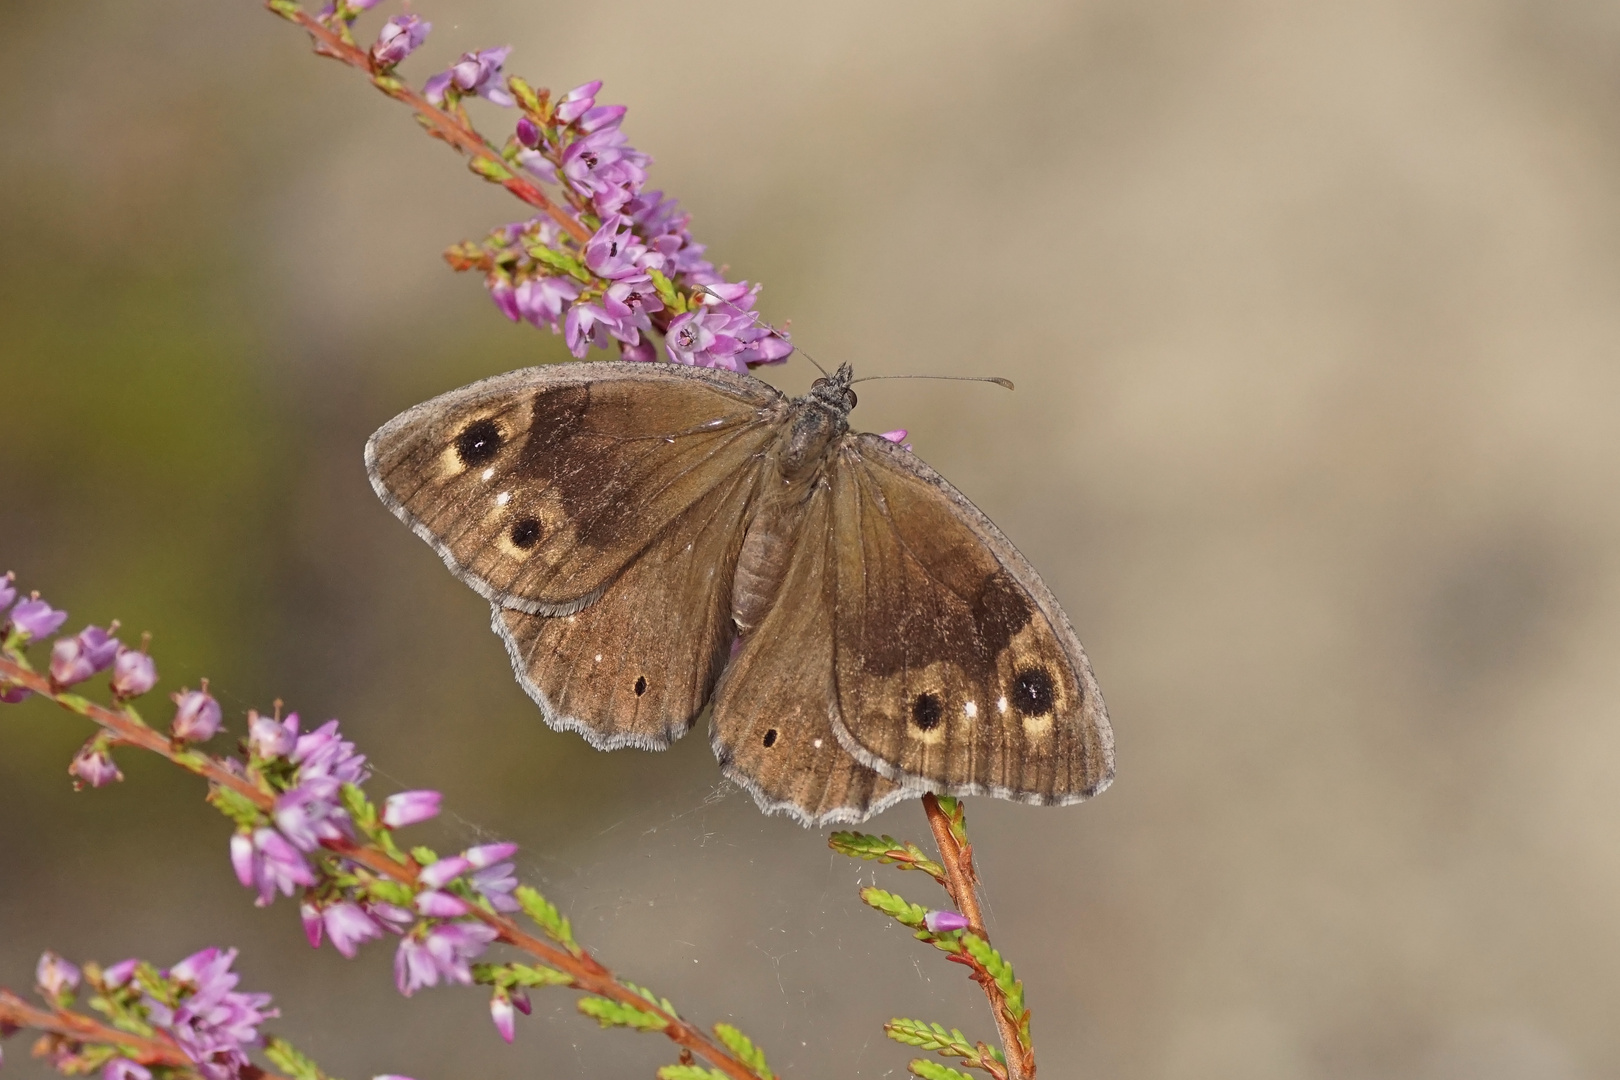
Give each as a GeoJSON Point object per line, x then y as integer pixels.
{"type": "Point", "coordinates": [815, 420]}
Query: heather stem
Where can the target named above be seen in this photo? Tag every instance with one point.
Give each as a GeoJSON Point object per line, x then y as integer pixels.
{"type": "Point", "coordinates": [956, 855]}
{"type": "Point", "coordinates": [586, 972]}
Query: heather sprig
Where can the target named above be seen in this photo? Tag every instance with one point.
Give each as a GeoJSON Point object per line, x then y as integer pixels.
{"type": "Point", "coordinates": [960, 935]}
{"type": "Point", "coordinates": [306, 828]}
{"type": "Point", "coordinates": [605, 262]}
{"type": "Point", "coordinates": [186, 1021]}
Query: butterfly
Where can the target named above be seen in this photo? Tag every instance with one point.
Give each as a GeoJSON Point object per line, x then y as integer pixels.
{"type": "Point", "coordinates": [655, 539]}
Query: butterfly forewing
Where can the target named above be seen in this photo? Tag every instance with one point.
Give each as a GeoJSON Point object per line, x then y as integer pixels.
{"type": "Point", "coordinates": [955, 666]}
{"type": "Point", "coordinates": [635, 667]}
{"type": "Point", "coordinates": [538, 487]}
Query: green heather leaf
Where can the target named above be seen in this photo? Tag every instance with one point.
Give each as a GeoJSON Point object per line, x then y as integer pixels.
{"type": "Point", "coordinates": [284, 1056]}
{"type": "Point", "coordinates": [424, 856]}
{"type": "Point", "coordinates": [493, 171]}
{"type": "Point", "coordinates": [562, 263]}
{"type": "Point", "coordinates": [896, 907]}
{"type": "Point", "coordinates": [741, 1045]}
{"type": "Point", "coordinates": [391, 892]}
{"type": "Point", "coordinates": [689, 1072]}
{"type": "Point", "coordinates": [287, 9]}
{"type": "Point", "coordinates": [547, 917]}
{"type": "Point", "coordinates": [392, 85]}
{"type": "Point", "coordinates": [92, 1058]}
{"type": "Point", "coordinates": [933, 1070]}
{"type": "Point", "coordinates": [359, 807]}
{"type": "Point", "coordinates": [235, 806]}
{"type": "Point", "coordinates": [930, 1037]}
{"type": "Point", "coordinates": [610, 1013]}
{"type": "Point", "coordinates": [526, 97]}
{"type": "Point", "coordinates": [539, 975]}
{"type": "Point", "coordinates": [886, 849]}
{"type": "Point", "coordinates": [665, 287]}
{"type": "Point", "coordinates": [661, 1002]}
{"type": "Point", "coordinates": [999, 969]}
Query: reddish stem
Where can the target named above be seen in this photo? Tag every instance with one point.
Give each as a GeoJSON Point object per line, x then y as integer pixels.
{"type": "Point", "coordinates": [587, 973]}
{"type": "Point", "coordinates": [446, 125]}
{"type": "Point", "coordinates": [961, 881]}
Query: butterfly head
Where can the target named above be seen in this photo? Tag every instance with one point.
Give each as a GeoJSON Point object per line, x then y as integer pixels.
{"type": "Point", "coordinates": [833, 392]}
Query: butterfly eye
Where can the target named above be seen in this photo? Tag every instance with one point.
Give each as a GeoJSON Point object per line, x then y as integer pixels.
{"type": "Point", "coordinates": [849, 398]}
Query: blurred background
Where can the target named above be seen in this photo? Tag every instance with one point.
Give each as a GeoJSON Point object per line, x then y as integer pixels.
{"type": "Point", "coordinates": [1313, 312]}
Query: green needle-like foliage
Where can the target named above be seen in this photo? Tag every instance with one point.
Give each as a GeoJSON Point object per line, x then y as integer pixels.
{"type": "Point", "coordinates": [690, 1072]}
{"type": "Point", "coordinates": [1000, 970]}
{"type": "Point", "coordinates": [886, 849]}
{"type": "Point", "coordinates": [284, 1056]}
{"type": "Point", "coordinates": [547, 917]}
{"type": "Point", "coordinates": [896, 907]}
{"type": "Point", "coordinates": [933, 1070]}
{"type": "Point", "coordinates": [925, 1036]}
{"type": "Point", "coordinates": [610, 1013]}
{"type": "Point", "coordinates": [741, 1045]}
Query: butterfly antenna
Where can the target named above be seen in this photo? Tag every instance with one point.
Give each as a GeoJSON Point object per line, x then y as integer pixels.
{"type": "Point", "coordinates": [773, 331]}
{"type": "Point", "coordinates": [950, 378]}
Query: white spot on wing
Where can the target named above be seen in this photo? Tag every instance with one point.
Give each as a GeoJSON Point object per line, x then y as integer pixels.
{"type": "Point", "coordinates": [489, 472]}
{"type": "Point", "coordinates": [972, 709]}
{"type": "Point", "coordinates": [503, 498]}
{"type": "Point", "coordinates": [598, 658]}
{"type": "Point", "coordinates": [817, 744]}
{"type": "Point", "coordinates": [1002, 704]}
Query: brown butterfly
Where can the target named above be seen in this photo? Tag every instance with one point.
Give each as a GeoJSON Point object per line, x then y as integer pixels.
{"type": "Point", "coordinates": [655, 537]}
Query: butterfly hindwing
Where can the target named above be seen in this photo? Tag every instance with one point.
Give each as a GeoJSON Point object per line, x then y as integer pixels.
{"type": "Point", "coordinates": [539, 486]}
{"type": "Point", "coordinates": [772, 725]}
{"type": "Point", "coordinates": [956, 668]}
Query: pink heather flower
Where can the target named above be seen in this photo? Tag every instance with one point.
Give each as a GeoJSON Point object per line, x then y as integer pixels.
{"type": "Point", "coordinates": [543, 299]}
{"type": "Point", "coordinates": [485, 855]}
{"type": "Point", "coordinates": [8, 591]}
{"type": "Point", "coordinates": [616, 252]}
{"type": "Point", "coordinates": [475, 73]}
{"type": "Point", "coordinates": [410, 807]}
{"type": "Point", "coordinates": [440, 905]}
{"type": "Point", "coordinates": [578, 101]}
{"type": "Point", "coordinates": [120, 973]}
{"type": "Point", "coordinates": [212, 1023]}
{"type": "Point", "coordinates": [55, 976]}
{"type": "Point", "coordinates": [196, 718]}
{"type": "Point", "coordinates": [310, 813]}
{"type": "Point", "coordinates": [10, 695]}
{"type": "Point", "coordinates": [895, 436]}
{"type": "Point", "coordinates": [349, 926]}
{"type": "Point", "coordinates": [134, 673]}
{"type": "Point", "coordinates": [94, 765]}
{"type": "Point", "coordinates": [309, 913]}
{"type": "Point", "coordinates": [443, 872]}
{"type": "Point", "coordinates": [323, 752]}
{"type": "Point", "coordinates": [75, 659]}
{"type": "Point", "coordinates": [399, 37]}
{"type": "Point", "coordinates": [600, 117]}
{"type": "Point", "coordinates": [125, 1069]}
{"type": "Point", "coordinates": [495, 884]}
{"type": "Point", "coordinates": [501, 1011]}
{"type": "Point", "coordinates": [36, 618]}
{"type": "Point", "coordinates": [505, 297]}
{"type": "Point", "coordinates": [414, 966]}
{"type": "Point", "coordinates": [272, 865]}
{"type": "Point", "coordinates": [698, 338]}
{"type": "Point", "coordinates": [272, 738]}
{"type": "Point", "coordinates": [528, 132]}
{"type": "Point", "coordinates": [643, 351]}
{"type": "Point", "coordinates": [538, 164]}
{"type": "Point", "coordinates": [394, 919]}
{"type": "Point", "coordinates": [943, 922]}
{"type": "Point", "coordinates": [587, 325]}
{"type": "Point", "coordinates": [453, 945]}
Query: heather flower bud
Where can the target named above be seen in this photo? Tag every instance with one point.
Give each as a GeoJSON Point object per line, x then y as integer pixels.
{"type": "Point", "coordinates": [440, 905]}
{"type": "Point", "coordinates": [196, 718]}
{"type": "Point", "coordinates": [36, 618]}
{"type": "Point", "coordinates": [10, 695]}
{"type": "Point", "coordinates": [528, 132]}
{"type": "Point", "coordinates": [8, 591]}
{"type": "Point", "coordinates": [578, 101]}
{"type": "Point", "coordinates": [310, 915]}
{"type": "Point", "coordinates": [488, 854]}
{"type": "Point", "coordinates": [242, 858]}
{"type": "Point", "coordinates": [56, 977]}
{"type": "Point", "coordinates": [410, 807]}
{"type": "Point", "coordinates": [400, 36]}
{"type": "Point", "coordinates": [943, 922]}
{"type": "Point", "coordinates": [93, 765]}
{"type": "Point", "coordinates": [120, 973]}
{"type": "Point", "coordinates": [444, 872]}
{"type": "Point", "coordinates": [272, 738]}
{"type": "Point", "coordinates": [125, 1069]}
{"type": "Point", "coordinates": [134, 673]}
{"type": "Point", "coordinates": [75, 659]}
{"type": "Point", "coordinates": [500, 1010]}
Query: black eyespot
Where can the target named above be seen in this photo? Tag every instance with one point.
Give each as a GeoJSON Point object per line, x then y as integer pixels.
{"type": "Point", "coordinates": [926, 711]}
{"type": "Point", "coordinates": [641, 685]}
{"type": "Point", "coordinates": [770, 738]}
{"type": "Point", "coordinates": [1032, 692]}
{"type": "Point", "coordinates": [849, 398]}
{"type": "Point", "coordinates": [479, 443]}
{"type": "Point", "coordinates": [526, 533]}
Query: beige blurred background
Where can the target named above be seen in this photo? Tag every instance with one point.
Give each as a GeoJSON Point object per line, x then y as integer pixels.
{"type": "Point", "coordinates": [1313, 312]}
